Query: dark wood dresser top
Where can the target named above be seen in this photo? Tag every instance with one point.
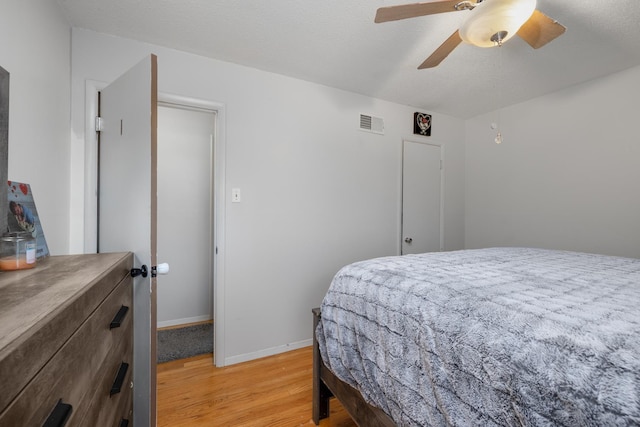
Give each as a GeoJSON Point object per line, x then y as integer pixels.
{"type": "Point", "coordinates": [40, 308]}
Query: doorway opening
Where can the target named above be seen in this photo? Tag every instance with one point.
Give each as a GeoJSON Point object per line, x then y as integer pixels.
{"type": "Point", "coordinates": [185, 229]}
{"type": "Point", "coordinates": [216, 180]}
{"type": "Point", "coordinates": [92, 90]}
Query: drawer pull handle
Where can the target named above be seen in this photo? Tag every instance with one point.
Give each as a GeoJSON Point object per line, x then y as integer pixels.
{"type": "Point", "coordinates": [117, 320]}
{"type": "Point", "coordinates": [117, 384]}
{"type": "Point", "coordinates": [124, 423]}
{"type": "Point", "coordinates": [59, 416]}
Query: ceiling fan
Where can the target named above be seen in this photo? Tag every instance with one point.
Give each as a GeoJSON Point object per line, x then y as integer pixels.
{"type": "Point", "coordinates": [490, 23]}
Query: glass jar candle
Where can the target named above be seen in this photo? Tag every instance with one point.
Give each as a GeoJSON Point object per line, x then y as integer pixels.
{"type": "Point", "coordinates": [17, 251]}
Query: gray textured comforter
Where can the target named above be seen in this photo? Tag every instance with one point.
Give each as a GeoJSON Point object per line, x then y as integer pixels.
{"type": "Point", "coordinates": [501, 336]}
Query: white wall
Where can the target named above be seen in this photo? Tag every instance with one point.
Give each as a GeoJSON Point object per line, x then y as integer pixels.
{"type": "Point", "coordinates": [567, 175]}
{"type": "Point", "coordinates": [317, 193]}
{"type": "Point", "coordinates": [35, 49]}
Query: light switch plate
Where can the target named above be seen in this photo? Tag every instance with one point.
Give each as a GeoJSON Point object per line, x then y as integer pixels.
{"type": "Point", "coordinates": [235, 195]}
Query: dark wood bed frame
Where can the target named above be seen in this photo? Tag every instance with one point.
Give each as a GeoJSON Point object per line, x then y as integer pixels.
{"type": "Point", "coordinates": [326, 385]}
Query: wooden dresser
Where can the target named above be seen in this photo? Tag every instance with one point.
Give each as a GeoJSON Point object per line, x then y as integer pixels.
{"type": "Point", "coordinates": [66, 342]}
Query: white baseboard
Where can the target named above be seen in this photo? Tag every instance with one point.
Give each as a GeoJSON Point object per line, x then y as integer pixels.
{"type": "Point", "coordinates": [174, 322]}
{"type": "Point", "coordinates": [267, 352]}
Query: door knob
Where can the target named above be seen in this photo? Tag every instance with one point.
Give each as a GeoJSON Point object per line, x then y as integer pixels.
{"type": "Point", "coordinates": [142, 271]}
{"type": "Point", "coordinates": [162, 268]}
{"type": "Point", "coordinates": [408, 239]}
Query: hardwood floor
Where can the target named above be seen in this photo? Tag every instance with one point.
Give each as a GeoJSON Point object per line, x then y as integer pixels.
{"type": "Point", "coordinates": [270, 392]}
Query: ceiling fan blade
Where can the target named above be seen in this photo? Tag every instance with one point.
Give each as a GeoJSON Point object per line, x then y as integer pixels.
{"type": "Point", "coordinates": [540, 30]}
{"type": "Point", "coordinates": [404, 11]}
{"type": "Point", "coordinates": [442, 52]}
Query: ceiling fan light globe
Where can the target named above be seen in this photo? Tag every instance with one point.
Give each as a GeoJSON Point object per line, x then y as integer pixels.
{"type": "Point", "coordinates": [494, 16]}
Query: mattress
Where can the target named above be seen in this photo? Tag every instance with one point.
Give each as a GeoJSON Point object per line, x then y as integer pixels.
{"type": "Point", "coordinates": [488, 337]}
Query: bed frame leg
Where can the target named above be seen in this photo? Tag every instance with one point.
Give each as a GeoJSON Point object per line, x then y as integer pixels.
{"type": "Point", "coordinates": [321, 393]}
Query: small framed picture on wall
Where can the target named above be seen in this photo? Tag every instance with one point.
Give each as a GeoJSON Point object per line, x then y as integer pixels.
{"type": "Point", "coordinates": [422, 124]}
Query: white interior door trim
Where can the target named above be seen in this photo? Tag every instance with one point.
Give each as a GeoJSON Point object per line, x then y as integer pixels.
{"type": "Point", "coordinates": [218, 208]}
{"type": "Point", "coordinates": [92, 87]}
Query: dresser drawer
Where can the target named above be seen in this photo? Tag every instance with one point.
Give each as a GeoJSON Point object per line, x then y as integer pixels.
{"type": "Point", "coordinates": [112, 392]}
{"type": "Point", "coordinates": [70, 374]}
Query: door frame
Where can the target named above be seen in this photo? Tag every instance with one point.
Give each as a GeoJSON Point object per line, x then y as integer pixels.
{"type": "Point", "coordinates": [92, 87]}
{"type": "Point", "coordinates": [442, 175]}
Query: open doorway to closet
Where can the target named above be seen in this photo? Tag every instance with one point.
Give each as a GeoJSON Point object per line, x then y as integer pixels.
{"type": "Point", "coordinates": [185, 229]}
{"type": "Point", "coordinates": [217, 192]}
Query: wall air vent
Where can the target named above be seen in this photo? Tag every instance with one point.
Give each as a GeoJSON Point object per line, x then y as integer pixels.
{"type": "Point", "coordinates": [371, 124]}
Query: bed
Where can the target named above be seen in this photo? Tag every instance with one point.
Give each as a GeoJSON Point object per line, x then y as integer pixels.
{"type": "Point", "coordinates": [486, 337]}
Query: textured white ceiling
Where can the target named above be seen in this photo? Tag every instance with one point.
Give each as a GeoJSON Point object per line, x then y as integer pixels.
{"type": "Point", "coordinates": [336, 43]}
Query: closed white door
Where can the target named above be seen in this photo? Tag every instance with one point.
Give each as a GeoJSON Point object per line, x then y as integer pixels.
{"type": "Point", "coordinates": [421, 197]}
{"type": "Point", "coordinates": [185, 217]}
{"type": "Point", "coordinates": [127, 210]}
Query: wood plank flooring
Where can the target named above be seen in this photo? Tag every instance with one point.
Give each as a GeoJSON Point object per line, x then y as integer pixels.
{"type": "Point", "coordinates": [273, 391]}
